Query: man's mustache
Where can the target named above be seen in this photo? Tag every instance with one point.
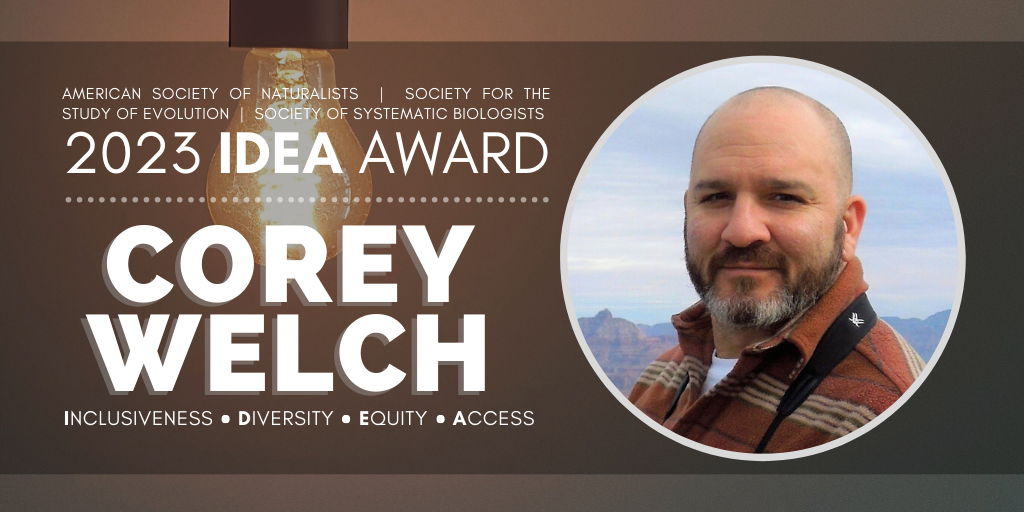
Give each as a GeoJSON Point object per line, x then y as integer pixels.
{"type": "Point", "coordinates": [759, 254]}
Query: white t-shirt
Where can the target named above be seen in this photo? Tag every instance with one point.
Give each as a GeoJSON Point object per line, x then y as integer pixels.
{"type": "Point", "coordinates": [717, 371]}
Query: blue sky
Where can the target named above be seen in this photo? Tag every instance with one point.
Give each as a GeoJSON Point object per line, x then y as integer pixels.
{"type": "Point", "coordinates": [625, 247]}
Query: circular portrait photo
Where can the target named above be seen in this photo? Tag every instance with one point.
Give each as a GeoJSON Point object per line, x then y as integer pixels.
{"type": "Point", "coordinates": [763, 258]}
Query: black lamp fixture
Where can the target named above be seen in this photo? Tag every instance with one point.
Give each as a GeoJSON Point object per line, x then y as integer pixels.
{"type": "Point", "coordinates": [315, 24]}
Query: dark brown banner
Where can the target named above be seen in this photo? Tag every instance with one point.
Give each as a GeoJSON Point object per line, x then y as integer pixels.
{"type": "Point", "coordinates": [542, 407]}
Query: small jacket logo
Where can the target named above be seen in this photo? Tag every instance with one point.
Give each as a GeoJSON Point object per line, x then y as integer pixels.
{"type": "Point", "coordinates": [856, 320]}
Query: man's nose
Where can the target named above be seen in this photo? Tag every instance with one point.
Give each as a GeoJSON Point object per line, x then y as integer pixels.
{"type": "Point", "coordinates": [747, 224]}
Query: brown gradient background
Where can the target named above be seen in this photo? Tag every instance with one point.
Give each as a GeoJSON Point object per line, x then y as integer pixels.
{"type": "Point", "coordinates": [976, 133]}
{"type": "Point", "coordinates": [540, 20]}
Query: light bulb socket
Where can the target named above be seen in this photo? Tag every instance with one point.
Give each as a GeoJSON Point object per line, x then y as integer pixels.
{"type": "Point", "coordinates": [317, 24]}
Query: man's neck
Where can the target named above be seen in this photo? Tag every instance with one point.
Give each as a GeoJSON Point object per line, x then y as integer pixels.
{"type": "Point", "coordinates": [731, 340]}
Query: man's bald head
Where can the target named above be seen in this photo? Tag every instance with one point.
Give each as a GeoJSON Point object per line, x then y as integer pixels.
{"type": "Point", "coordinates": [749, 101]}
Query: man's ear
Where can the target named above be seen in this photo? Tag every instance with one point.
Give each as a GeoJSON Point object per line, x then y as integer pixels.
{"type": "Point", "coordinates": [853, 220]}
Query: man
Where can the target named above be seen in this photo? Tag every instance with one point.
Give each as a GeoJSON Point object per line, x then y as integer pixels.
{"type": "Point", "coordinates": [771, 230]}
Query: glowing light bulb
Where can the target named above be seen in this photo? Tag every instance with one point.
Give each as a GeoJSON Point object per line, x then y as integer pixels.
{"type": "Point", "coordinates": [282, 83]}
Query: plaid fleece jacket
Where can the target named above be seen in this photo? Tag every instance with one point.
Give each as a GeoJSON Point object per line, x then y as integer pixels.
{"type": "Point", "coordinates": [735, 414]}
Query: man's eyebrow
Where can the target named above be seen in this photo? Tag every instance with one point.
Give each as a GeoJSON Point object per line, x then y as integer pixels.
{"type": "Point", "coordinates": [777, 184]}
{"type": "Point", "coordinates": [711, 185]}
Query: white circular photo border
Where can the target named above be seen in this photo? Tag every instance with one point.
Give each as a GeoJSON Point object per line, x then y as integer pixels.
{"type": "Point", "coordinates": [961, 251]}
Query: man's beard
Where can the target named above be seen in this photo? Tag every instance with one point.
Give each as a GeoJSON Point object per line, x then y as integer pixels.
{"type": "Point", "coordinates": [784, 303]}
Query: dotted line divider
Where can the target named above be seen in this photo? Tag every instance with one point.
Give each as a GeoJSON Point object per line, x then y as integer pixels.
{"type": "Point", "coordinates": [268, 199]}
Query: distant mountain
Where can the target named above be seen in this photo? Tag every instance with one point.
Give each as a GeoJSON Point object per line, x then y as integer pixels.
{"type": "Point", "coordinates": [621, 348]}
{"type": "Point", "coordinates": [657, 329]}
{"type": "Point", "coordinates": [923, 335]}
{"type": "Point", "coordinates": [624, 349]}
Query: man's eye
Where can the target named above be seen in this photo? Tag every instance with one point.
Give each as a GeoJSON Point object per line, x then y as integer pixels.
{"type": "Point", "coordinates": [788, 198]}
{"type": "Point", "coordinates": [717, 196]}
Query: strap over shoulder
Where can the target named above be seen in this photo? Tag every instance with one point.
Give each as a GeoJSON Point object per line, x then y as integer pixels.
{"type": "Point", "coordinates": [851, 326]}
